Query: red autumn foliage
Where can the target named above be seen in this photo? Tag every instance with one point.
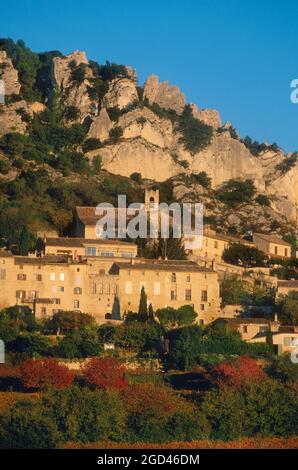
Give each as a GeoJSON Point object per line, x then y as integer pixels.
{"type": "Point", "coordinates": [148, 396]}
{"type": "Point", "coordinates": [107, 373]}
{"type": "Point", "coordinates": [44, 373]}
{"type": "Point", "coordinates": [238, 372]}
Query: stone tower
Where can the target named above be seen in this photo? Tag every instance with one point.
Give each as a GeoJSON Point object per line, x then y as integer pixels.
{"type": "Point", "coordinates": [151, 199]}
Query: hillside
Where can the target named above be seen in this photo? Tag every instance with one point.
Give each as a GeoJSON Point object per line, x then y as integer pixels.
{"type": "Point", "coordinates": [70, 125]}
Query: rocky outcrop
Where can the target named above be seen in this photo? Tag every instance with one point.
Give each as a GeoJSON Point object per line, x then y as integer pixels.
{"type": "Point", "coordinates": [137, 155]}
{"type": "Point", "coordinates": [100, 126]}
{"type": "Point", "coordinates": [11, 117]}
{"type": "Point", "coordinates": [208, 116]}
{"type": "Point", "coordinates": [9, 75]}
{"type": "Point", "coordinates": [73, 93]}
{"type": "Point", "coordinates": [121, 93]}
{"type": "Point", "coordinates": [163, 94]}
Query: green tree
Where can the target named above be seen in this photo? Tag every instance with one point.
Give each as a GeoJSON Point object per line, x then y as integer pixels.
{"type": "Point", "coordinates": [143, 310]}
{"type": "Point", "coordinates": [173, 318]}
{"type": "Point", "coordinates": [243, 255]}
{"type": "Point", "coordinates": [288, 308]}
{"type": "Point", "coordinates": [26, 426]}
{"type": "Point", "coordinates": [283, 369]}
{"type": "Point", "coordinates": [233, 291]}
{"type": "Point", "coordinates": [235, 192]}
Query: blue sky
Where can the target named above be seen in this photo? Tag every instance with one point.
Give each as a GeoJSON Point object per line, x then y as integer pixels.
{"type": "Point", "coordinates": [237, 56]}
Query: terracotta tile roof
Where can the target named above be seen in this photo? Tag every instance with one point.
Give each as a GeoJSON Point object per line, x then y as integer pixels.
{"type": "Point", "coordinates": [151, 266]}
{"type": "Point", "coordinates": [273, 239]}
{"type": "Point", "coordinates": [81, 242]}
{"type": "Point", "coordinates": [88, 216]}
{"type": "Point", "coordinates": [290, 284]}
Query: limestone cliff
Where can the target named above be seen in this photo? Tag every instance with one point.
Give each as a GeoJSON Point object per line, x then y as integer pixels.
{"type": "Point", "coordinates": [139, 129]}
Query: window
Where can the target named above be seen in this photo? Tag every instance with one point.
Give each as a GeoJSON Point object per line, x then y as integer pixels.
{"type": "Point", "coordinates": [128, 287]}
{"type": "Point", "coordinates": [20, 294]}
{"type": "Point", "coordinates": [43, 311]}
{"type": "Point", "coordinates": [216, 245]}
{"type": "Point", "coordinates": [90, 251]}
{"type": "Point", "coordinates": [61, 288]}
{"type": "Point", "coordinates": [62, 277]}
{"type": "Point", "coordinates": [108, 288]}
{"type": "Point", "coordinates": [204, 296]}
{"type": "Point", "coordinates": [173, 277]}
{"type": "Point", "coordinates": [188, 278]}
{"type": "Point", "coordinates": [76, 304]}
{"type": "Point", "coordinates": [173, 295]}
{"type": "Point", "coordinates": [275, 250]}
{"type": "Point", "coordinates": [290, 341]}
{"type": "Point", "coordinates": [126, 254]}
{"type": "Point", "coordinates": [100, 288]}
{"type": "Point", "coordinates": [263, 329]}
{"type": "Point", "coordinates": [93, 290]}
{"type": "Point", "coordinates": [202, 307]}
{"type": "Point", "coordinates": [77, 290]}
{"type": "Point", "coordinates": [156, 288]}
{"type": "Point", "coordinates": [187, 294]}
{"type": "Point", "coordinates": [22, 277]}
{"type": "Point", "coordinates": [38, 277]}
{"type": "Point", "coordinates": [116, 289]}
{"type": "Point", "coordinates": [57, 301]}
{"type": "Point", "coordinates": [245, 329]}
{"type": "Point", "coordinates": [2, 274]}
{"type": "Point", "coordinates": [108, 254]}
{"type": "Point", "coordinates": [201, 322]}
{"type": "Point", "coordinates": [33, 294]}
{"type": "Point", "coordinates": [286, 251]}
{"type": "Point", "coordinates": [52, 277]}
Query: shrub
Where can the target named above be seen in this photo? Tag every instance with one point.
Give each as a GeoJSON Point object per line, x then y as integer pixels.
{"type": "Point", "coordinates": [202, 178]}
{"type": "Point", "coordinates": [233, 291]}
{"type": "Point", "coordinates": [26, 426]}
{"type": "Point", "coordinates": [156, 415]}
{"type": "Point", "coordinates": [235, 192]}
{"type": "Point", "coordinates": [283, 369]}
{"type": "Point", "coordinates": [31, 344]}
{"type": "Point", "coordinates": [115, 134]}
{"type": "Point", "coordinates": [91, 144]}
{"type": "Point", "coordinates": [196, 135]}
{"type": "Point", "coordinates": [44, 373]}
{"type": "Point", "coordinates": [137, 177]}
{"type": "Point", "coordinates": [258, 409]}
{"type": "Point", "coordinates": [238, 372]}
{"type": "Point", "coordinates": [288, 308]}
{"type": "Point", "coordinates": [83, 415]}
{"type": "Point", "coordinates": [67, 321]}
{"type": "Point", "coordinates": [241, 255]}
{"type": "Point", "coordinates": [105, 373]}
{"type": "Point", "coordinates": [263, 200]}
{"type": "Point", "coordinates": [79, 344]}
{"type": "Point", "coordinates": [173, 318]}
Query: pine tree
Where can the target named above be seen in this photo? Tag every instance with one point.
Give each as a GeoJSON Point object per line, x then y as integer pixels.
{"type": "Point", "coordinates": [151, 313]}
{"type": "Point", "coordinates": [143, 312]}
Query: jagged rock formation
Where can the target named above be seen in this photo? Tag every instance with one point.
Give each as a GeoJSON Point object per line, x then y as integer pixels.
{"type": "Point", "coordinates": [11, 119]}
{"type": "Point", "coordinates": [121, 93]}
{"type": "Point", "coordinates": [100, 126]}
{"type": "Point", "coordinates": [163, 94]}
{"type": "Point", "coordinates": [9, 74]}
{"type": "Point", "coordinates": [73, 93]}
